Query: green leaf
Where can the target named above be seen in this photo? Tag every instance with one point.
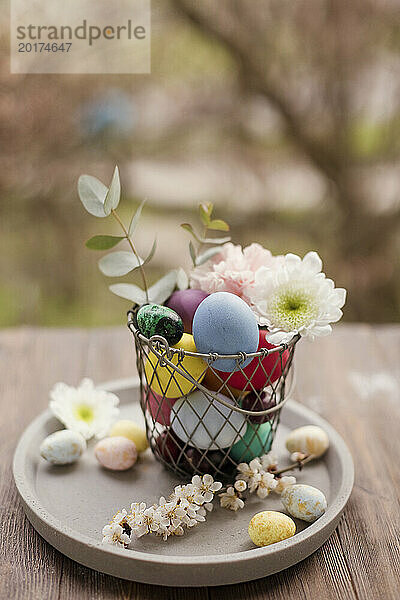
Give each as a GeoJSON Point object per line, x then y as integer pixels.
{"type": "Point", "coordinates": [92, 193]}
{"type": "Point", "coordinates": [204, 216]}
{"type": "Point", "coordinates": [129, 292]}
{"type": "Point", "coordinates": [135, 219]}
{"type": "Point", "coordinates": [118, 263]}
{"type": "Point", "coordinates": [192, 253]}
{"type": "Point", "coordinates": [113, 194]}
{"type": "Point", "coordinates": [161, 291]}
{"type": "Point", "coordinates": [190, 229]}
{"type": "Point", "coordinates": [223, 240]}
{"type": "Point", "coordinates": [151, 253]}
{"type": "Point", "coordinates": [218, 225]}
{"type": "Point", "coordinates": [202, 258]}
{"type": "Point", "coordinates": [103, 242]}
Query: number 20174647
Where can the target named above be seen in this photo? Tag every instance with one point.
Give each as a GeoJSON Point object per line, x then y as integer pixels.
{"type": "Point", "coordinates": [43, 47]}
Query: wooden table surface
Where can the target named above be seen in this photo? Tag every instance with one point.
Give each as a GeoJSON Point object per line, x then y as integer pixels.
{"type": "Point", "coordinates": [351, 378]}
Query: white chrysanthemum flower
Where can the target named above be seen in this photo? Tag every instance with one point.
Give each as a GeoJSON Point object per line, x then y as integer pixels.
{"type": "Point", "coordinates": [115, 535]}
{"type": "Point", "coordinates": [283, 483]}
{"type": "Point", "coordinates": [230, 500]}
{"type": "Point", "coordinates": [85, 409]}
{"type": "Point", "coordinates": [295, 297]}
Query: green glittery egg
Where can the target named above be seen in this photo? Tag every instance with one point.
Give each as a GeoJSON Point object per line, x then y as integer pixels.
{"type": "Point", "coordinates": [154, 319]}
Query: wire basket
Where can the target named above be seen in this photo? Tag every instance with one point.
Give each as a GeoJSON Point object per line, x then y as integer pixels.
{"type": "Point", "coordinates": [197, 421]}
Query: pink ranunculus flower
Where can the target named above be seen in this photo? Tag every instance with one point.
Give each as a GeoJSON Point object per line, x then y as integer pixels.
{"type": "Point", "coordinates": [231, 270]}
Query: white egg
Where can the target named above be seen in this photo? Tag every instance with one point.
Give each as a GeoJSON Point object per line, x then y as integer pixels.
{"type": "Point", "coordinates": [63, 447]}
{"type": "Point", "coordinates": [304, 502]}
{"type": "Point", "coordinates": [206, 425]}
{"type": "Point", "coordinates": [309, 439]}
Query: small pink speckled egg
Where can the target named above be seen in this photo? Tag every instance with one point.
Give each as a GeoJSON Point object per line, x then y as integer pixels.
{"type": "Point", "coordinates": [116, 453]}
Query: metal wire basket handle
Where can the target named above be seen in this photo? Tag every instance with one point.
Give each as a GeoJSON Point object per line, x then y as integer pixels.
{"type": "Point", "coordinates": [164, 357]}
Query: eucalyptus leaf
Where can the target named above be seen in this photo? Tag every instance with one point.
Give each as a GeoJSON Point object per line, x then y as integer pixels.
{"type": "Point", "coordinates": [218, 225]}
{"type": "Point", "coordinates": [190, 229]}
{"type": "Point", "coordinates": [161, 291]}
{"type": "Point", "coordinates": [104, 242]}
{"type": "Point", "coordinates": [113, 194]}
{"type": "Point", "coordinates": [151, 253]}
{"type": "Point", "coordinates": [92, 193]}
{"type": "Point", "coordinates": [192, 253]}
{"type": "Point", "coordinates": [204, 216]}
{"type": "Point", "coordinates": [223, 240]}
{"type": "Point", "coordinates": [118, 263]}
{"type": "Point", "coordinates": [208, 207]}
{"type": "Point", "coordinates": [202, 258]}
{"type": "Point", "coordinates": [129, 292]}
{"type": "Point", "coordinates": [135, 219]}
{"type": "Point", "coordinates": [182, 280]}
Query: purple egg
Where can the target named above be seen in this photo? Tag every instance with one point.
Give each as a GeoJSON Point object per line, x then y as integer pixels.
{"type": "Point", "coordinates": [185, 303]}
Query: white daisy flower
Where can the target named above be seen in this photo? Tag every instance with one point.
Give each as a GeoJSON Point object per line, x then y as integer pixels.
{"type": "Point", "coordinates": [295, 297]}
{"type": "Point", "coordinates": [85, 409]}
{"type": "Point", "coordinates": [115, 535]}
{"type": "Point", "coordinates": [230, 500]}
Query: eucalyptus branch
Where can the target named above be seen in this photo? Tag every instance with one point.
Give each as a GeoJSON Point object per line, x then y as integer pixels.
{"type": "Point", "coordinates": [130, 242]}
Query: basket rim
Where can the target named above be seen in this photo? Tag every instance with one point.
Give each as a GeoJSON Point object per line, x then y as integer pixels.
{"type": "Point", "coordinates": [211, 356]}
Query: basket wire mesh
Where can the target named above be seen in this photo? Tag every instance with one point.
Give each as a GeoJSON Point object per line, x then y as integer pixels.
{"type": "Point", "coordinates": [169, 377]}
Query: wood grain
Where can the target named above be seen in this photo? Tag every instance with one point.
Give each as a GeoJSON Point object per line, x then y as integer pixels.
{"type": "Point", "coordinates": [351, 378]}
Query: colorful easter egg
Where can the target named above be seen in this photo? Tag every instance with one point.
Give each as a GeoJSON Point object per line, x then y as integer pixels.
{"type": "Point", "coordinates": [268, 527]}
{"type": "Point", "coordinates": [168, 446]}
{"type": "Point", "coordinates": [208, 461]}
{"type": "Point", "coordinates": [164, 381]}
{"type": "Point", "coordinates": [205, 424]}
{"type": "Point", "coordinates": [256, 441]}
{"type": "Point", "coordinates": [154, 319]}
{"type": "Point", "coordinates": [185, 303]}
{"type": "Point", "coordinates": [225, 324]}
{"type": "Point", "coordinates": [63, 447]}
{"type": "Point", "coordinates": [213, 382]}
{"type": "Point", "coordinates": [259, 401]}
{"type": "Point", "coordinates": [304, 502]}
{"type": "Point", "coordinates": [260, 373]}
{"type": "Point", "coordinates": [132, 431]}
{"type": "Point", "coordinates": [309, 439]}
{"type": "Point", "coordinates": [158, 407]}
{"type": "Point", "coordinates": [116, 453]}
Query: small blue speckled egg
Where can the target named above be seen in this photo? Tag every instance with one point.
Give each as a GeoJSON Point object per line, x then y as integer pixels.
{"type": "Point", "coordinates": [225, 324]}
{"type": "Point", "coordinates": [304, 502]}
{"type": "Point", "coordinates": [63, 447]}
{"type": "Point", "coordinates": [256, 441]}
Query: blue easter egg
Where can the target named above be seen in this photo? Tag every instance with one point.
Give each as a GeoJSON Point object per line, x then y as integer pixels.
{"type": "Point", "coordinates": [255, 442]}
{"type": "Point", "coordinates": [225, 324]}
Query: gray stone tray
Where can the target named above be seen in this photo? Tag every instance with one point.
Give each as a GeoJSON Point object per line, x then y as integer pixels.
{"type": "Point", "coordinates": [69, 505]}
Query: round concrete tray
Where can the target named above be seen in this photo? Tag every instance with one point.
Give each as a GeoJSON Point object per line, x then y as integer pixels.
{"type": "Point", "coordinates": [69, 505]}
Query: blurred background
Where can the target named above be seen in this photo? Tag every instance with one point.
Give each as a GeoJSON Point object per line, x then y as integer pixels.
{"type": "Point", "coordinates": [284, 114]}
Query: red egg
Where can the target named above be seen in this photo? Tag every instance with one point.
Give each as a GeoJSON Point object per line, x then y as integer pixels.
{"type": "Point", "coordinates": [262, 374]}
{"type": "Point", "coordinates": [158, 407]}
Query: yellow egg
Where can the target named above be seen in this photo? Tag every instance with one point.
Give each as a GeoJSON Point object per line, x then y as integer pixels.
{"type": "Point", "coordinates": [165, 381]}
{"type": "Point", "coordinates": [268, 527]}
{"type": "Point", "coordinates": [129, 429]}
